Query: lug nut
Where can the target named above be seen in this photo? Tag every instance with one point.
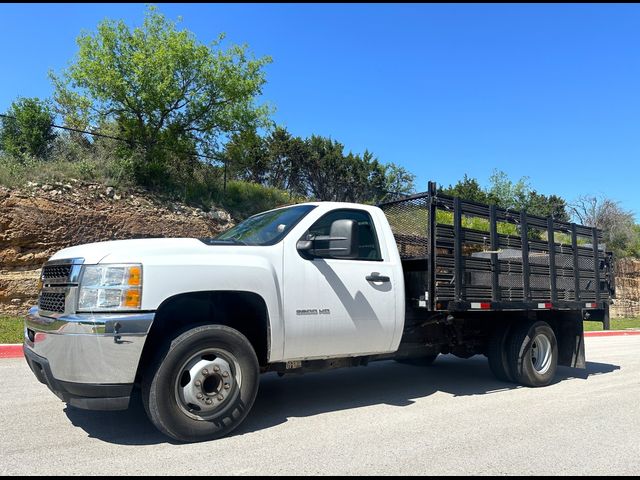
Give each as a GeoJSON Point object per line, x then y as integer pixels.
{"type": "Point", "coordinates": [220, 397]}
{"type": "Point", "coordinates": [199, 396]}
{"type": "Point", "coordinates": [208, 402]}
{"type": "Point", "coordinates": [227, 386]}
{"type": "Point", "coordinates": [216, 369]}
{"type": "Point", "coordinates": [198, 383]}
{"type": "Point", "coordinates": [205, 372]}
{"type": "Point", "coordinates": [225, 374]}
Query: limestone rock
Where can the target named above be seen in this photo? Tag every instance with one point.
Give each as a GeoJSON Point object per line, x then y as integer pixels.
{"type": "Point", "coordinates": [36, 222]}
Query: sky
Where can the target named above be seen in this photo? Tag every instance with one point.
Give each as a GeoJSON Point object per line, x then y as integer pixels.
{"type": "Point", "coordinates": [551, 92]}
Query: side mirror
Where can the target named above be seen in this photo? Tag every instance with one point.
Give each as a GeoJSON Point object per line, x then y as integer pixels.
{"type": "Point", "coordinates": [342, 242]}
{"type": "Point", "coordinates": [343, 239]}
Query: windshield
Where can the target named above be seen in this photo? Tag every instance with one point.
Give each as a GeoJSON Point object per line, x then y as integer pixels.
{"type": "Point", "coordinates": [265, 228]}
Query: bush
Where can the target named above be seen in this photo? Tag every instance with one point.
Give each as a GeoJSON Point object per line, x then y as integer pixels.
{"type": "Point", "coordinates": [243, 199]}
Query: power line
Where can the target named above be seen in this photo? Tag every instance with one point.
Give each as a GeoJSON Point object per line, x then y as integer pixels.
{"type": "Point", "coordinates": [120, 139]}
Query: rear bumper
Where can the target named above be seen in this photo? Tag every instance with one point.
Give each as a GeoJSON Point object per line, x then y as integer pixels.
{"type": "Point", "coordinates": [89, 361]}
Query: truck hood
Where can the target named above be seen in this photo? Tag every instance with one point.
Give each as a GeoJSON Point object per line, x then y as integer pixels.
{"type": "Point", "coordinates": [123, 251]}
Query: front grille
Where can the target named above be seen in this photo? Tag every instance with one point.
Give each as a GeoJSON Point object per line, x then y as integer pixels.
{"type": "Point", "coordinates": [52, 302]}
{"type": "Point", "coordinates": [56, 272]}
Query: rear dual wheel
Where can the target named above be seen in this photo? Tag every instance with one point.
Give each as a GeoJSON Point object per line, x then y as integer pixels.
{"type": "Point", "coordinates": [525, 353]}
{"type": "Point", "coordinates": [497, 354]}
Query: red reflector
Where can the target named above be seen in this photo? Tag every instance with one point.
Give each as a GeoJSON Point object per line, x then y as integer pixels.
{"type": "Point", "coordinates": [483, 306]}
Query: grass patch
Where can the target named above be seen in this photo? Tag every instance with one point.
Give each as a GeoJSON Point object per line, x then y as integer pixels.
{"type": "Point", "coordinates": [100, 169]}
{"type": "Point", "coordinates": [616, 324]}
{"type": "Point", "coordinates": [11, 329]}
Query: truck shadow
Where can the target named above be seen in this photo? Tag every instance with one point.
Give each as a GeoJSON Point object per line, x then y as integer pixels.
{"type": "Point", "coordinates": [299, 396]}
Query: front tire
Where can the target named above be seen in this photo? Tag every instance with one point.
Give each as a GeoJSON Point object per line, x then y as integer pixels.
{"type": "Point", "coordinates": [204, 386]}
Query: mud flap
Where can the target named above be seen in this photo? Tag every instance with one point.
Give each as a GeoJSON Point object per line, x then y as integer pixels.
{"type": "Point", "coordinates": [570, 334]}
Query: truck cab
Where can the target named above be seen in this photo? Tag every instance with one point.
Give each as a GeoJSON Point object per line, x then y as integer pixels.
{"type": "Point", "coordinates": [314, 281]}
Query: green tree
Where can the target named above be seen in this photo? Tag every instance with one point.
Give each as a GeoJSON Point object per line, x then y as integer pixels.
{"type": "Point", "coordinates": [365, 181]}
{"type": "Point", "coordinates": [468, 189]}
{"type": "Point", "coordinates": [506, 193]}
{"type": "Point", "coordinates": [315, 167]}
{"type": "Point", "coordinates": [275, 160]}
{"type": "Point", "coordinates": [325, 171]}
{"type": "Point", "coordinates": [398, 181]}
{"type": "Point", "coordinates": [328, 174]}
{"type": "Point", "coordinates": [27, 130]}
{"type": "Point", "coordinates": [511, 195]}
{"type": "Point", "coordinates": [167, 91]}
{"type": "Point", "coordinates": [287, 155]}
{"type": "Point", "coordinates": [246, 157]}
{"type": "Point", "coordinates": [547, 206]}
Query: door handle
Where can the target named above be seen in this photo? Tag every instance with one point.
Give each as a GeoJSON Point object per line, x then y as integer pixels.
{"type": "Point", "coordinates": [377, 278]}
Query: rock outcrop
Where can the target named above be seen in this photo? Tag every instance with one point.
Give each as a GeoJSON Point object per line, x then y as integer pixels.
{"type": "Point", "coordinates": [627, 301]}
{"type": "Point", "coordinates": [37, 220]}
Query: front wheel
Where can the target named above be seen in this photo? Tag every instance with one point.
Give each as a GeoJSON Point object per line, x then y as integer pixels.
{"type": "Point", "coordinates": [204, 386]}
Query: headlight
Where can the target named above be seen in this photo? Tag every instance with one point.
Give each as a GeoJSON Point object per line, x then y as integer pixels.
{"type": "Point", "coordinates": [110, 287]}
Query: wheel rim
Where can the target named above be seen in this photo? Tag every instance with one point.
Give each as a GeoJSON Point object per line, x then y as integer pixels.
{"type": "Point", "coordinates": [541, 354]}
{"type": "Point", "coordinates": [207, 383]}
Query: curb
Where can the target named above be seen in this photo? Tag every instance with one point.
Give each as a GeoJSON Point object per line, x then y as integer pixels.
{"type": "Point", "coordinates": [14, 350]}
{"type": "Point", "coordinates": [611, 333]}
{"type": "Point", "coordinates": [11, 350]}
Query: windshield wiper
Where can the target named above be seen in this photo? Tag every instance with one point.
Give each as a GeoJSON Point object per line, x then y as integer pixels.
{"type": "Point", "coordinates": [224, 241]}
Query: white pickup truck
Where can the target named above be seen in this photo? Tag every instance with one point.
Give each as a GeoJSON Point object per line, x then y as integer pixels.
{"type": "Point", "coordinates": [193, 323]}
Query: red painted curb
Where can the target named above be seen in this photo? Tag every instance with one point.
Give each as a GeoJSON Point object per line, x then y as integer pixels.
{"type": "Point", "coordinates": [11, 351]}
{"type": "Point", "coordinates": [612, 333]}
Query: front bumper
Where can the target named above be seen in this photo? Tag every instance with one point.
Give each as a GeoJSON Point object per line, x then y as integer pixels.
{"type": "Point", "coordinates": [88, 360]}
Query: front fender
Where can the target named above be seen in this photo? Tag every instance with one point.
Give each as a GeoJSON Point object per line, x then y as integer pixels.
{"type": "Point", "coordinates": [246, 273]}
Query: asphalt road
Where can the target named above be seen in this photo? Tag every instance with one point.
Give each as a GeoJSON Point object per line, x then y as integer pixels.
{"type": "Point", "coordinates": [452, 418]}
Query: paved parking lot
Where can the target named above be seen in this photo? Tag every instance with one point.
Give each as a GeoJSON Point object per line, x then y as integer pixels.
{"type": "Point", "coordinates": [453, 418]}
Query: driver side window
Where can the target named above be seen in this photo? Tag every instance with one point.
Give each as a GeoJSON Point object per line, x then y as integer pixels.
{"type": "Point", "coordinates": [368, 248]}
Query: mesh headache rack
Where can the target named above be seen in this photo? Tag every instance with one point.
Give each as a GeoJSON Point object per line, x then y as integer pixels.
{"type": "Point", "coordinates": [485, 257]}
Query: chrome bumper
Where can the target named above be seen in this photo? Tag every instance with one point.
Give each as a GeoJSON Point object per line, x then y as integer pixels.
{"type": "Point", "coordinates": [96, 349]}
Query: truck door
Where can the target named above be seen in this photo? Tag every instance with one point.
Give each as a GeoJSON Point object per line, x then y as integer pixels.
{"type": "Point", "coordinates": [339, 307]}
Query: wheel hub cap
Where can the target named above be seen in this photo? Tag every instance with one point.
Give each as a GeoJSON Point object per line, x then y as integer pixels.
{"type": "Point", "coordinates": [541, 353]}
{"type": "Point", "coordinates": [206, 384]}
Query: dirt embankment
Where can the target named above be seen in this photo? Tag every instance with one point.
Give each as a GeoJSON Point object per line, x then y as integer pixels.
{"type": "Point", "coordinates": [38, 220]}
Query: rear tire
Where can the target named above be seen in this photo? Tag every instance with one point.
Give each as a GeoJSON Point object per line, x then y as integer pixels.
{"type": "Point", "coordinates": [497, 353]}
{"type": "Point", "coordinates": [532, 352]}
{"type": "Point", "coordinates": [204, 386]}
{"type": "Point", "coordinates": [419, 361]}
